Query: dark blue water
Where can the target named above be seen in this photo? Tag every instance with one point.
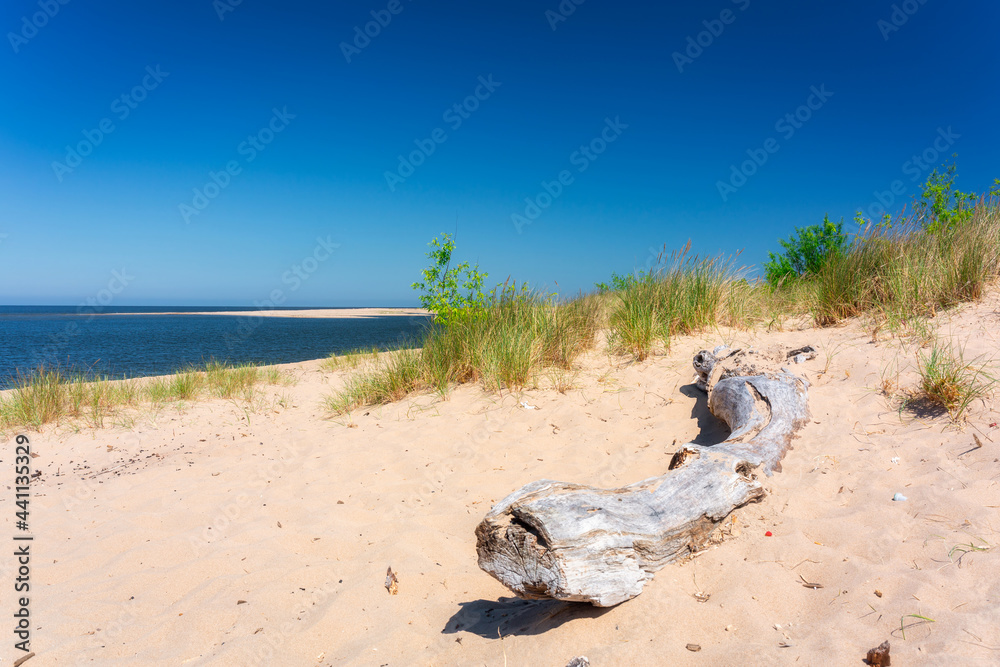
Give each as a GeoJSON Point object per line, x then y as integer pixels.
{"type": "Point", "coordinates": [125, 342]}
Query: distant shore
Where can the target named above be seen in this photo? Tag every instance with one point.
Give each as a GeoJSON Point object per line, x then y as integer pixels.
{"type": "Point", "coordinates": [319, 313]}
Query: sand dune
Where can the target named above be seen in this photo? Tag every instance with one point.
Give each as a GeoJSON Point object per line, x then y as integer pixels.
{"type": "Point", "coordinates": [211, 535]}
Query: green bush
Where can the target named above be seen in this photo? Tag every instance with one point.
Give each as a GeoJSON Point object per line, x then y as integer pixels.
{"type": "Point", "coordinates": [621, 282]}
{"type": "Point", "coordinates": [450, 292]}
{"type": "Point", "coordinates": [807, 251]}
{"type": "Point", "coordinates": [940, 206]}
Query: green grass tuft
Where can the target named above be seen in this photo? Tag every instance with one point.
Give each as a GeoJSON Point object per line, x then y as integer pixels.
{"type": "Point", "coordinates": [948, 381]}
{"type": "Point", "coordinates": [503, 347]}
{"type": "Point", "coordinates": [49, 395]}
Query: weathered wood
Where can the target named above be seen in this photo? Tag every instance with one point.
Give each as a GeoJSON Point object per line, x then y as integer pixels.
{"type": "Point", "coordinates": [573, 542]}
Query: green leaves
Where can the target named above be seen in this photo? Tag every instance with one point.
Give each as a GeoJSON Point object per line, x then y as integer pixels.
{"type": "Point", "coordinates": [621, 282]}
{"type": "Point", "coordinates": [940, 206]}
{"type": "Point", "coordinates": [450, 292]}
{"type": "Point", "coordinates": [806, 251]}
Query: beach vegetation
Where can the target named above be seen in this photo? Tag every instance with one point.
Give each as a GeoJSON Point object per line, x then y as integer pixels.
{"type": "Point", "coordinates": [680, 295]}
{"type": "Point", "coordinates": [905, 270]}
{"type": "Point", "coordinates": [350, 359]}
{"type": "Point", "coordinates": [949, 381]}
{"type": "Point", "coordinates": [940, 206]}
{"type": "Point", "coordinates": [51, 395]}
{"type": "Point", "coordinates": [807, 251]}
{"type": "Point", "coordinates": [893, 273]}
{"type": "Point", "coordinates": [450, 292]}
{"type": "Point", "coordinates": [513, 341]}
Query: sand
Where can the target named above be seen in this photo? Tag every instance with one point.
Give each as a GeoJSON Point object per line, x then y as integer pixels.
{"type": "Point", "coordinates": [211, 534]}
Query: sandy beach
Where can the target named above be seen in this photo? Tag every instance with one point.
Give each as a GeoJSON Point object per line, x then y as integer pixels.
{"type": "Point", "coordinates": [663, 250]}
{"type": "Point", "coordinates": [215, 533]}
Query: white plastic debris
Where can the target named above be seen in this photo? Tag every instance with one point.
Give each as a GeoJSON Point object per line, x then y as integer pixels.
{"type": "Point", "coordinates": [524, 404]}
{"type": "Point", "coordinates": [894, 459]}
{"type": "Point", "coordinates": [899, 497]}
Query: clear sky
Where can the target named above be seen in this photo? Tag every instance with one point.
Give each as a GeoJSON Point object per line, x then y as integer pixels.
{"type": "Point", "coordinates": [199, 153]}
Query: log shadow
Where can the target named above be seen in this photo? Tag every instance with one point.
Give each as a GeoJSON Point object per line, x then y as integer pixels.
{"type": "Point", "coordinates": [514, 616]}
{"type": "Point", "coordinates": [711, 429]}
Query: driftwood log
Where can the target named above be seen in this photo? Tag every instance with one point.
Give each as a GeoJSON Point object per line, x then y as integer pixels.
{"type": "Point", "coordinates": [572, 542]}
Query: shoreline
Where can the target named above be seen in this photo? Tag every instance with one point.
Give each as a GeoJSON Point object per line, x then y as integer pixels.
{"type": "Point", "coordinates": [312, 313]}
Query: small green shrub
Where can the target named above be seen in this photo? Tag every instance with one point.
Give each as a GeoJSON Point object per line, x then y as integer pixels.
{"type": "Point", "coordinates": [806, 251]}
{"type": "Point", "coordinates": [450, 292]}
{"type": "Point", "coordinates": [621, 282]}
{"type": "Point", "coordinates": [941, 207]}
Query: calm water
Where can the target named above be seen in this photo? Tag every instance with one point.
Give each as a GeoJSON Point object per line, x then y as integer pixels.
{"type": "Point", "coordinates": [138, 341]}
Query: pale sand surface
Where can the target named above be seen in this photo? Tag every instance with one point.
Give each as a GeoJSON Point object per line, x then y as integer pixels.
{"type": "Point", "coordinates": [337, 313]}
{"type": "Point", "coordinates": [150, 536]}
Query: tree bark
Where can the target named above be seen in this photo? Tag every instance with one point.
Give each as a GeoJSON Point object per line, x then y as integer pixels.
{"type": "Point", "coordinates": [573, 542]}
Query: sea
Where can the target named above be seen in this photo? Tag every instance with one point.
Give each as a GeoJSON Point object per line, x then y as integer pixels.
{"type": "Point", "coordinates": [141, 341]}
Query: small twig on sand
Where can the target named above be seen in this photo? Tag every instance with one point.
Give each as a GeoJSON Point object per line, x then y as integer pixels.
{"type": "Point", "coordinates": [502, 647]}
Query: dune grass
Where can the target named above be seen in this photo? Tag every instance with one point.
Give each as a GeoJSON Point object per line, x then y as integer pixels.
{"type": "Point", "coordinates": [949, 381]}
{"type": "Point", "coordinates": [504, 346]}
{"type": "Point", "coordinates": [350, 359]}
{"type": "Point", "coordinates": [49, 395]}
{"type": "Point", "coordinates": [224, 381]}
{"type": "Point", "coordinates": [684, 295]}
{"type": "Point", "coordinates": [905, 271]}
{"type": "Point", "coordinates": [392, 377]}
{"type": "Point", "coordinates": [892, 274]}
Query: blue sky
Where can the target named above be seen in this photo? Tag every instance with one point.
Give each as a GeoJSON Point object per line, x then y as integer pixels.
{"type": "Point", "coordinates": [256, 151]}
